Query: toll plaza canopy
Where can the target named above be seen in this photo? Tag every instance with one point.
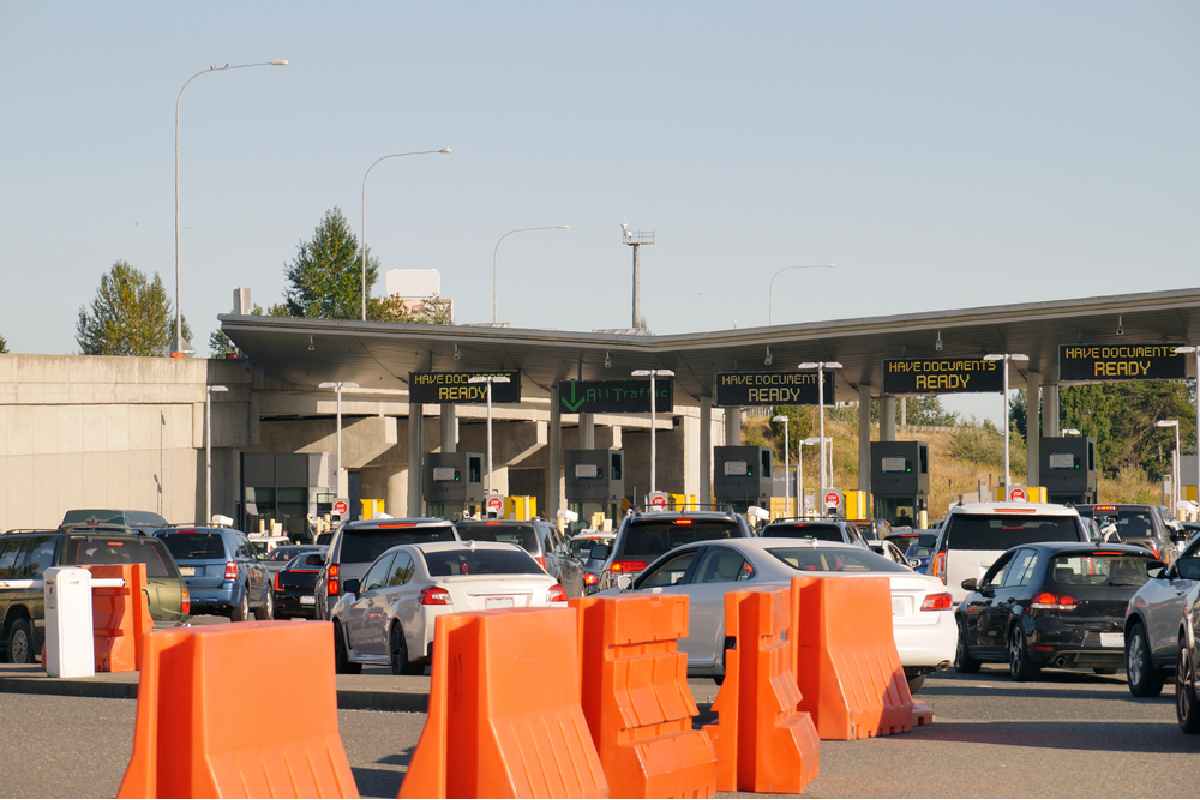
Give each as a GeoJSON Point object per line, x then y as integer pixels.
{"type": "Point", "coordinates": [381, 355]}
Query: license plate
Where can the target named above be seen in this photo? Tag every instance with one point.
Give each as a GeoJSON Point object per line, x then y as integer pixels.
{"type": "Point", "coordinates": [899, 607]}
{"type": "Point", "coordinates": [187, 572]}
{"type": "Point", "coordinates": [307, 600]}
{"type": "Point", "coordinates": [497, 602]}
{"type": "Point", "coordinates": [1112, 640]}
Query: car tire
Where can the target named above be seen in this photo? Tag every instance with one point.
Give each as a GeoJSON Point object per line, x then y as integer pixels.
{"type": "Point", "coordinates": [963, 662]}
{"type": "Point", "coordinates": [398, 649]}
{"type": "Point", "coordinates": [1142, 677]}
{"type": "Point", "coordinates": [341, 658]}
{"type": "Point", "coordinates": [19, 642]}
{"type": "Point", "coordinates": [915, 683]}
{"type": "Point", "coordinates": [267, 609]}
{"type": "Point", "coordinates": [1019, 666]}
{"type": "Point", "coordinates": [241, 611]}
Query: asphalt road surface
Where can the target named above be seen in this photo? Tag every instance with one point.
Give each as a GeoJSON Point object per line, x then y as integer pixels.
{"type": "Point", "coordinates": [1066, 736]}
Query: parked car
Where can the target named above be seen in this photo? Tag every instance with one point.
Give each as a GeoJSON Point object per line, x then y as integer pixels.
{"type": "Point", "coordinates": [903, 539]}
{"type": "Point", "coordinates": [355, 545]}
{"type": "Point", "coordinates": [976, 534]}
{"type": "Point", "coordinates": [143, 522]}
{"type": "Point", "coordinates": [825, 529]}
{"type": "Point", "coordinates": [1187, 642]}
{"type": "Point", "coordinates": [592, 549]}
{"type": "Point", "coordinates": [922, 618]}
{"type": "Point", "coordinates": [295, 585]}
{"type": "Point", "coordinates": [1136, 524]}
{"type": "Point", "coordinates": [1152, 623]}
{"type": "Point", "coordinates": [1051, 604]}
{"type": "Point", "coordinates": [920, 551]}
{"type": "Point", "coordinates": [539, 538]}
{"type": "Point", "coordinates": [644, 536]}
{"type": "Point", "coordinates": [387, 617]}
{"type": "Point", "coordinates": [223, 573]}
{"type": "Point", "coordinates": [280, 557]}
{"type": "Point", "coordinates": [28, 555]}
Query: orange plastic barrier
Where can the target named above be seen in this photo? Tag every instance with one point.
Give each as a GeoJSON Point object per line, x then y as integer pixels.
{"type": "Point", "coordinates": [636, 698]}
{"type": "Point", "coordinates": [846, 662]}
{"type": "Point", "coordinates": [516, 728]}
{"type": "Point", "coordinates": [765, 743]}
{"type": "Point", "coordinates": [207, 728]}
{"type": "Point", "coordinates": [120, 617]}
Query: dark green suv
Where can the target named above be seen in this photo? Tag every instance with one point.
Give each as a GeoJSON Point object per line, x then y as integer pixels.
{"type": "Point", "coordinates": [26, 555]}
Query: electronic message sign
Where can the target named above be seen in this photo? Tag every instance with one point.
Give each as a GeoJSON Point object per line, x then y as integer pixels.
{"type": "Point", "coordinates": [1119, 362]}
{"type": "Point", "coordinates": [941, 375]}
{"type": "Point", "coordinates": [456, 387]}
{"type": "Point", "coordinates": [771, 388]}
{"type": "Point", "coordinates": [631, 396]}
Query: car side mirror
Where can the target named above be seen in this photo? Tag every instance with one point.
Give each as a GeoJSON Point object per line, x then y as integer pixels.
{"type": "Point", "coordinates": [351, 586]}
{"type": "Point", "coordinates": [913, 563]}
{"type": "Point", "coordinates": [970, 584]}
{"type": "Point", "coordinates": [1188, 568]}
{"type": "Point", "coordinates": [987, 591]}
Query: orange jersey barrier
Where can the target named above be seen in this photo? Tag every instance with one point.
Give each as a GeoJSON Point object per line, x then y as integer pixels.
{"type": "Point", "coordinates": [206, 727]}
{"type": "Point", "coordinates": [636, 698]}
{"type": "Point", "coordinates": [764, 742]}
{"type": "Point", "coordinates": [516, 728]}
{"type": "Point", "coordinates": [846, 662]}
{"type": "Point", "coordinates": [120, 617]}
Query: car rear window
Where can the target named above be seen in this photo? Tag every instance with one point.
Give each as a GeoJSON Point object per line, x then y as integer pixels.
{"type": "Point", "coordinates": [522, 536]}
{"type": "Point", "coordinates": [582, 548]}
{"type": "Point", "coordinates": [1002, 531]}
{"type": "Point", "coordinates": [1132, 523]}
{"type": "Point", "coordinates": [364, 545]}
{"type": "Point", "coordinates": [655, 538]}
{"type": "Point", "coordinates": [195, 546]}
{"type": "Point", "coordinates": [822, 531]}
{"type": "Point", "coordinates": [922, 546]}
{"type": "Point", "coordinates": [817, 559]}
{"type": "Point", "coordinates": [94, 515]}
{"type": "Point", "coordinates": [118, 550]}
{"type": "Point", "coordinates": [1074, 570]}
{"type": "Point", "coordinates": [451, 563]}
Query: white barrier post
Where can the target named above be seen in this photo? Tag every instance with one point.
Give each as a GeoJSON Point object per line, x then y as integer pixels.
{"type": "Point", "coordinates": [70, 644]}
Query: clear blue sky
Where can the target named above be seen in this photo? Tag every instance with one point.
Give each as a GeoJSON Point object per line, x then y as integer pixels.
{"type": "Point", "coordinates": [941, 154]}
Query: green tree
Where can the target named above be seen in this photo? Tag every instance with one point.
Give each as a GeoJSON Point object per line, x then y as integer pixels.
{"type": "Point", "coordinates": [324, 279]}
{"type": "Point", "coordinates": [1018, 413]}
{"type": "Point", "coordinates": [130, 316]}
{"type": "Point", "coordinates": [801, 425]}
{"type": "Point", "coordinates": [927, 410]}
{"type": "Point", "coordinates": [221, 346]}
{"type": "Point", "coordinates": [1121, 416]}
{"type": "Point", "coordinates": [3, 345]}
{"type": "Point", "coordinates": [429, 310]}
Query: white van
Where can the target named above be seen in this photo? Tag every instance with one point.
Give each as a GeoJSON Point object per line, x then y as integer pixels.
{"type": "Point", "coordinates": [976, 534]}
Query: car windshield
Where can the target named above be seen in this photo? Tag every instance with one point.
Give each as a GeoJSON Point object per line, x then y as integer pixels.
{"type": "Point", "coordinates": [842, 559]}
{"type": "Point", "coordinates": [140, 550]}
{"type": "Point", "coordinates": [521, 535]}
{"type": "Point", "coordinates": [1072, 571]}
{"type": "Point", "coordinates": [653, 538]}
{"type": "Point", "coordinates": [451, 563]}
{"type": "Point", "coordinates": [1005, 530]}
{"type": "Point", "coordinates": [823, 531]}
{"type": "Point", "coordinates": [364, 545]}
{"type": "Point", "coordinates": [310, 560]}
{"type": "Point", "coordinates": [922, 546]}
{"type": "Point", "coordinates": [285, 553]}
{"type": "Point", "coordinates": [187, 546]}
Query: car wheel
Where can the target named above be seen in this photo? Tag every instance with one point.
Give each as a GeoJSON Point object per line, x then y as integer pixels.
{"type": "Point", "coordinates": [1019, 666]}
{"type": "Point", "coordinates": [242, 611]}
{"type": "Point", "coordinates": [267, 609]}
{"type": "Point", "coordinates": [915, 683]}
{"type": "Point", "coordinates": [1141, 676]}
{"type": "Point", "coordinates": [341, 657]}
{"type": "Point", "coordinates": [963, 662]}
{"type": "Point", "coordinates": [401, 665]}
{"type": "Point", "coordinates": [20, 642]}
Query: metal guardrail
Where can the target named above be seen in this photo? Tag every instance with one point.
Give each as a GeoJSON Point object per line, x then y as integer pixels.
{"type": "Point", "coordinates": [31, 583]}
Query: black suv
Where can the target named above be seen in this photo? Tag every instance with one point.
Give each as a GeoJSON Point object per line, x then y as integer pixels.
{"type": "Point", "coordinates": [824, 529]}
{"type": "Point", "coordinates": [1142, 525]}
{"type": "Point", "coordinates": [644, 536]}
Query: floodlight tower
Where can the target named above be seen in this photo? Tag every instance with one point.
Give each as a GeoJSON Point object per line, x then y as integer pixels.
{"type": "Point", "coordinates": [636, 239]}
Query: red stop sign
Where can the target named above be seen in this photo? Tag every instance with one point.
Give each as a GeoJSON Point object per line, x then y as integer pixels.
{"type": "Point", "coordinates": [1017, 494]}
{"type": "Point", "coordinates": [658, 501]}
{"type": "Point", "coordinates": [340, 508]}
{"type": "Point", "coordinates": [832, 499]}
{"type": "Point", "coordinates": [494, 504]}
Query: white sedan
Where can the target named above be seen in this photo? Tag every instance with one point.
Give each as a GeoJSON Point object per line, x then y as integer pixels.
{"type": "Point", "coordinates": [387, 617]}
{"type": "Point", "coordinates": [922, 610]}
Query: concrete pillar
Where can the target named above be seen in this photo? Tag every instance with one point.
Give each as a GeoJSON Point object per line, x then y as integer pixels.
{"type": "Point", "coordinates": [864, 438]}
{"type": "Point", "coordinates": [887, 419]}
{"type": "Point", "coordinates": [1050, 414]}
{"type": "Point", "coordinates": [903, 412]}
{"type": "Point", "coordinates": [396, 500]}
{"type": "Point", "coordinates": [415, 455]}
{"type": "Point", "coordinates": [1033, 427]}
{"type": "Point", "coordinates": [587, 431]}
{"type": "Point", "coordinates": [554, 459]}
{"type": "Point", "coordinates": [449, 427]}
{"type": "Point", "coordinates": [705, 450]}
{"type": "Point", "coordinates": [733, 425]}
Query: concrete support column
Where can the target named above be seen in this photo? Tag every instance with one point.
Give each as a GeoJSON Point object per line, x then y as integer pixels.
{"type": "Point", "coordinates": [396, 500]}
{"type": "Point", "coordinates": [864, 438]}
{"type": "Point", "coordinates": [733, 425]}
{"type": "Point", "coordinates": [887, 419]}
{"type": "Point", "coordinates": [587, 431]}
{"type": "Point", "coordinates": [554, 459]}
{"type": "Point", "coordinates": [705, 450]}
{"type": "Point", "coordinates": [449, 427]}
{"type": "Point", "coordinates": [1033, 427]}
{"type": "Point", "coordinates": [415, 455]}
{"type": "Point", "coordinates": [1051, 423]}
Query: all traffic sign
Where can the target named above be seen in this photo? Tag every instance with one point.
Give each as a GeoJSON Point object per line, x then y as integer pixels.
{"type": "Point", "coordinates": [340, 507]}
{"type": "Point", "coordinates": [658, 501]}
{"type": "Point", "coordinates": [1017, 494]}
{"type": "Point", "coordinates": [494, 505]}
{"type": "Point", "coordinates": [833, 499]}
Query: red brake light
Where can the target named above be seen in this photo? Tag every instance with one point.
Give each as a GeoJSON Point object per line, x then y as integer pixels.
{"type": "Point", "coordinates": [275, 584]}
{"type": "Point", "coordinates": [1015, 510]}
{"type": "Point", "coordinates": [937, 602]}
{"type": "Point", "coordinates": [435, 596]}
{"type": "Point", "coordinates": [1154, 549]}
{"type": "Point", "coordinates": [1067, 602]}
{"type": "Point", "coordinates": [590, 579]}
{"type": "Point", "coordinates": [231, 571]}
{"type": "Point", "coordinates": [333, 586]}
{"type": "Point", "coordinates": [683, 521]}
{"type": "Point", "coordinates": [1104, 508]}
{"type": "Point", "coordinates": [185, 601]}
{"type": "Point", "coordinates": [557, 594]}
{"type": "Point", "coordinates": [628, 565]}
{"type": "Point", "coordinates": [397, 524]}
{"type": "Point", "coordinates": [938, 567]}
{"type": "Point", "coordinates": [1046, 600]}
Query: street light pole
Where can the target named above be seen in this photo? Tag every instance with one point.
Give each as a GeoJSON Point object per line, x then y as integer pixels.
{"type": "Point", "coordinates": [1176, 463]}
{"type": "Point", "coordinates": [208, 449]}
{"type": "Point", "coordinates": [800, 472]}
{"type": "Point", "coordinates": [787, 478]}
{"type": "Point", "coordinates": [274, 62]}
{"type": "Point", "coordinates": [338, 387]}
{"type": "Point", "coordinates": [362, 237]}
{"type": "Point", "coordinates": [820, 367]}
{"type": "Point", "coordinates": [489, 380]}
{"type": "Point", "coordinates": [780, 271]}
{"type": "Point", "coordinates": [1006, 358]}
{"type": "Point", "coordinates": [1196, 351]}
{"type": "Point", "coordinates": [496, 250]}
{"type": "Point", "coordinates": [652, 374]}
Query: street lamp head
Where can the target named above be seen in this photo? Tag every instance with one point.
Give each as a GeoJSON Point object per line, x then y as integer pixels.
{"type": "Point", "coordinates": [1018, 357]}
{"type": "Point", "coordinates": [833, 365]}
{"type": "Point", "coordinates": [1182, 351]}
{"type": "Point", "coordinates": [808, 365]}
{"type": "Point", "coordinates": [279, 62]}
{"type": "Point", "coordinates": [657, 373]}
{"type": "Point", "coordinates": [562, 227]}
{"type": "Point", "coordinates": [445, 150]}
{"type": "Point", "coordinates": [218, 388]}
{"type": "Point", "coordinates": [994, 357]}
{"type": "Point", "coordinates": [488, 379]}
{"type": "Point", "coordinates": [1071, 432]}
{"type": "Point", "coordinates": [811, 441]}
{"type": "Point", "coordinates": [1166, 423]}
{"type": "Point", "coordinates": [779, 418]}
